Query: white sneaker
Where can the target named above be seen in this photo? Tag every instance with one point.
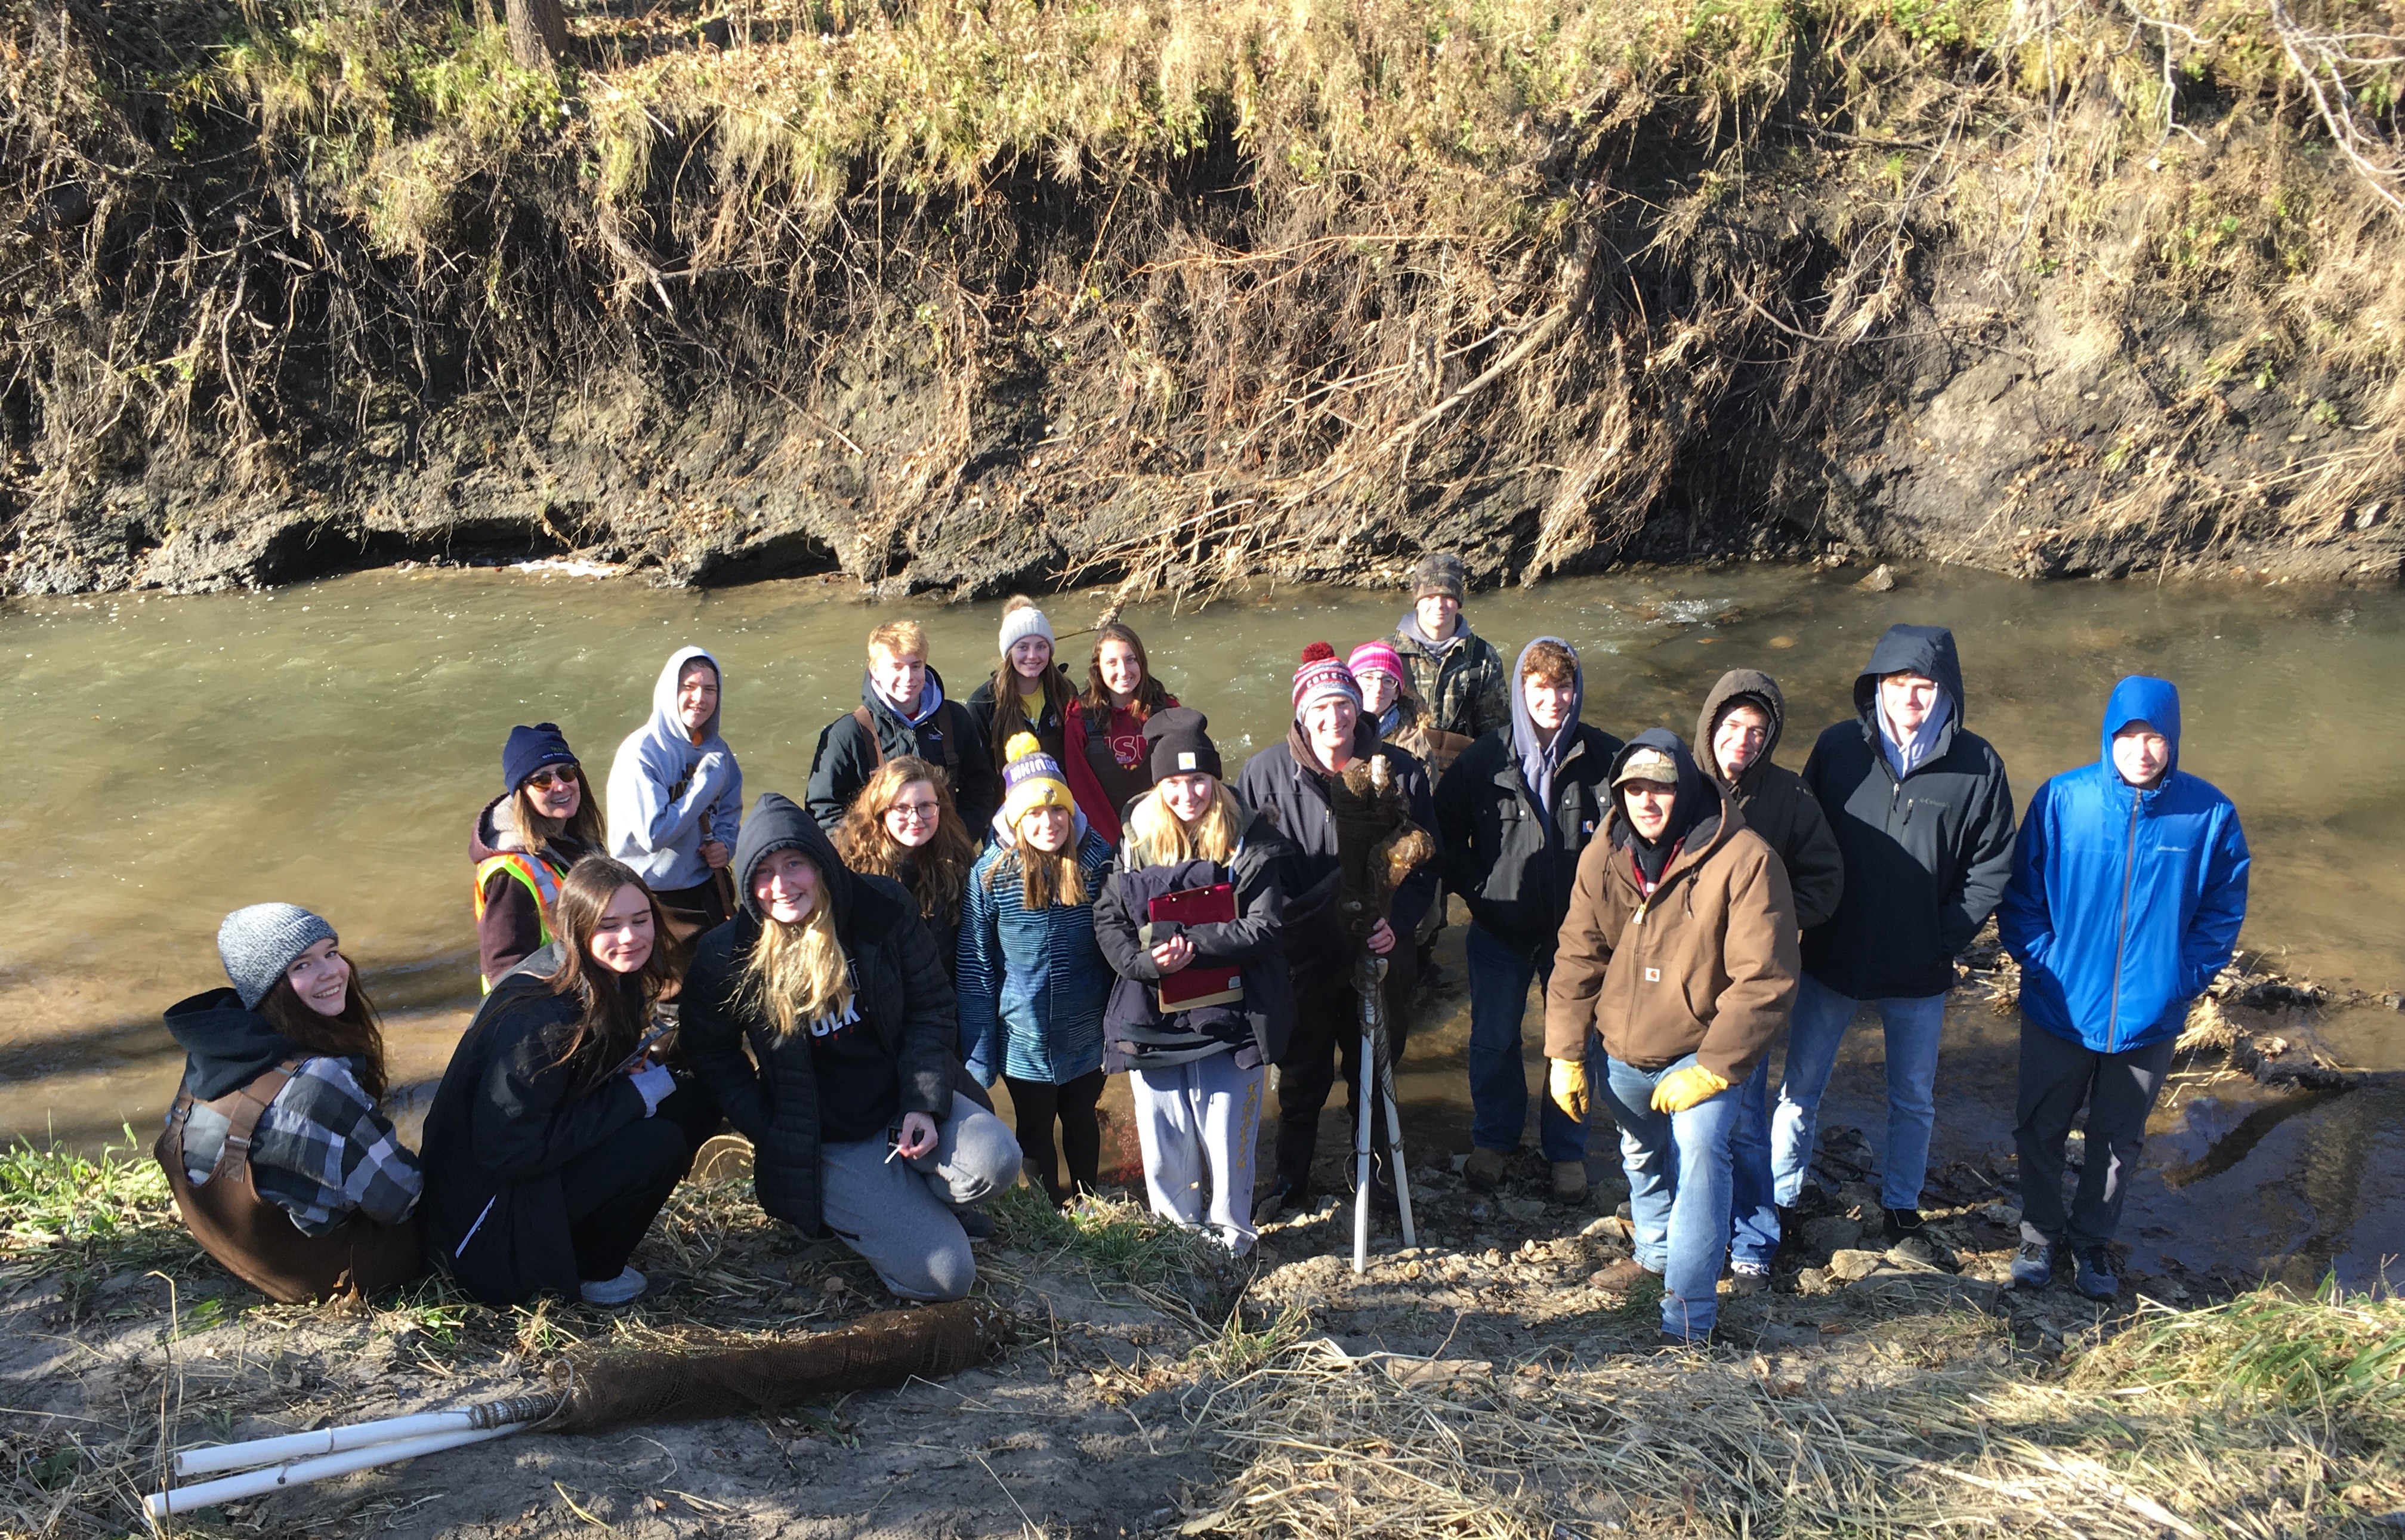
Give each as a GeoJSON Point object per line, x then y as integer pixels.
{"type": "Point", "coordinates": [628, 1284]}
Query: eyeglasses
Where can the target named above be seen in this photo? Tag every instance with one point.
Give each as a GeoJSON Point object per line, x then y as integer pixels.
{"type": "Point", "coordinates": [912, 812]}
{"type": "Point", "coordinates": [545, 779]}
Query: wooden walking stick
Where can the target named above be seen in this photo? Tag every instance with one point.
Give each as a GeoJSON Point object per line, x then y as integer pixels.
{"type": "Point", "coordinates": [1377, 848]}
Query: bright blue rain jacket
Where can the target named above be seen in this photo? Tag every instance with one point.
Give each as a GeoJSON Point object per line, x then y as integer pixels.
{"type": "Point", "coordinates": [2123, 903]}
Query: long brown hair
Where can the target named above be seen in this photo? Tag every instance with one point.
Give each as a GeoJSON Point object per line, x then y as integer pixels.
{"type": "Point", "coordinates": [1009, 717]}
{"type": "Point", "coordinates": [614, 1010]}
{"type": "Point", "coordinates": [939, 870]}
{"type": "Point", "coordinates": [1045, 876]}
{"type": "Point", "coordinates": [1150, 696]}
{"type": "Point", "coordinates": [536, 830]}
{"type": "Point", "coordinates": [354, 1032]}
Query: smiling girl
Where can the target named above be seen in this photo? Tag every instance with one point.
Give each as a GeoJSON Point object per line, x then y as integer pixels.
{"type": "Point", "coordinates": [558, 1131]}
{"type": "Point", "coordinates": [284, 1165]}
{"type": "Point", "coordinates": [544, 821]}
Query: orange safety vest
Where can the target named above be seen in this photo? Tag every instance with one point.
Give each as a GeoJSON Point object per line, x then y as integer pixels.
{"type": "Point", "coordinates": [540, 880]}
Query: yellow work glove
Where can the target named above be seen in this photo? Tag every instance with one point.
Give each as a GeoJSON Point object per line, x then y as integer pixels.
{"type": "Point", "coordinates": [1565, 1082]}
{"type": "Point", "coordinates": [1684, 1088]}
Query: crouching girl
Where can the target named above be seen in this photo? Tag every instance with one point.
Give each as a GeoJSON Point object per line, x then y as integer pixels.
{"type": "Point", "coordinates": [556, 1133]}
{"type": "Point", "coordinates": [848, 1096]}
{"type": "Point", "coordinates": [1197, 897]}
{"type": "Point", "coordinates": [284, 1166]}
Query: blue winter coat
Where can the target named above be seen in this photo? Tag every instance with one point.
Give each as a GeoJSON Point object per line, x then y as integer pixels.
{"type": "Point", "coordinates": [2123, 903]}
{"type": "Point", "coordinates": [1032, 985]}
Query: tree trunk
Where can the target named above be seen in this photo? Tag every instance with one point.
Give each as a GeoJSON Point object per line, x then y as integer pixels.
{"type": "Point", "coordinates": [537, 32]}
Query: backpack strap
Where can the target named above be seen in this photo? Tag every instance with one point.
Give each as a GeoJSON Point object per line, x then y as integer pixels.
{"type": "Point", "coordinates": [868, 729]}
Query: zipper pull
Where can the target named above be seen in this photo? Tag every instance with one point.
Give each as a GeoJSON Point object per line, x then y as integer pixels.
{"type": "Point", "coordinates": [1639, 918]}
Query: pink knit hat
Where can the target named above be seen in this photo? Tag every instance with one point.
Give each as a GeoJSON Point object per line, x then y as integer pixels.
{"type": "Point", "coordinates": [1376, 657]}
{"type": "Point", "coordinates": [1322, 675]}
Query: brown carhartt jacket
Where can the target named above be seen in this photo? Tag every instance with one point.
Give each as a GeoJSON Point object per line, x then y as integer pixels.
{"type": "Point", "coordinates": [1707, 966]}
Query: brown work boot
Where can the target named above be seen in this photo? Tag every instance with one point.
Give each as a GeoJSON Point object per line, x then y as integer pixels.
{"type": "Point", "coordinates": [1570, 1182]}
{"type": "Point", "coordinates": [1485, 1170]}
{"type": "Point", "coordinates": [1622, 1278]}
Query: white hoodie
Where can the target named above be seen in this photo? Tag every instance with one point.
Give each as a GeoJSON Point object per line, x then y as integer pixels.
{"type": "Point", "coordinates": [669, 794]}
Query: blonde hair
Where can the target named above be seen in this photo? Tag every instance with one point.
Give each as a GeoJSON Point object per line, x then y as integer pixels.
{"type": "Point", "coordinates": [1045, 876]}
{"type": "Point", "coordinates": [1156, 836]}
{"type": "Point", "coordinates": [797, 973]}
{"type": "Point", "coordinates": [901, 638]}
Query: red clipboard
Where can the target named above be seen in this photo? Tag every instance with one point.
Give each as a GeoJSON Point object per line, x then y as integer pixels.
{"type": "Point", "coordinates": [1198, 985]}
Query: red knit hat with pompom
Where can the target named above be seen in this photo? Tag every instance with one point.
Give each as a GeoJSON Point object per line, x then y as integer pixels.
{"type": "Point", "coordinates": [1322, 674]}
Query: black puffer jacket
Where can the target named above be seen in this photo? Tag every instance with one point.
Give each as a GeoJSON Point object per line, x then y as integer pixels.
{"type": "Point", "coordinates": [1259, 1026]}
{"type": "Point", "coordinates": [847, 755]}
{"type": "Point", "coordinates": [1512, 861]}
{"type": "Point", "coordinates": [900, 989]}
{"type": "Point", "coordinates": [1926, 858]}
{"type": "Point", "coordinates": [1276, 783]}
{"type": "Point", "coordinates": [505, 1119]}
{"type": "Point", "coordinates": [1776, 803]}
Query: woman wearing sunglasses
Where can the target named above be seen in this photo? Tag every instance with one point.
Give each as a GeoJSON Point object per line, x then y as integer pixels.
{"type": "Point", "coordinates": [524, 842]}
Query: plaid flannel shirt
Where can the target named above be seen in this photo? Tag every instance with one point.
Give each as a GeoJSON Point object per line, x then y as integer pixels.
{"type": "Point", "coordinates": [321, 1152]}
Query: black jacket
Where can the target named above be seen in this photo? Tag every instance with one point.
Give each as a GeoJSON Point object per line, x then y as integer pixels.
{"type": "Point", "coordinates": [1257, 1028]}
{"type": "Point", "coordinates": [1511, 863]}
{"type": "Point", "coordinates": [899, 987]}
{"type": "Point", "coordinates": [1051, 730]}
{"type": "Point", "coordinates": [845, 758]}
{"type": "Point", "coordinates": [504, 1120]}
{"type": "Point", "coordinates": [1274, 782]}
{"type": "Point", "coordinates": [1776, 803]}
{"type": "Point", "coordinates": [1926, 857]}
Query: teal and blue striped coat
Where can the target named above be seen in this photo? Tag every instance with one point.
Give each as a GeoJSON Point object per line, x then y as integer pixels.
{"type": "Point", "coordinates": [1032, 985]}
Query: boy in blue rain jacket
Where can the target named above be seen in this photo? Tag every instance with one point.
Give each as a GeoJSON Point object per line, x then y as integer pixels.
{"type": "Point", "coordinates": [2128, 887]}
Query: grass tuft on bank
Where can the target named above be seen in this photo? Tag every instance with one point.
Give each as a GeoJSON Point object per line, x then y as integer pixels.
{"type": "Point", "coordinates": [61, 1210]}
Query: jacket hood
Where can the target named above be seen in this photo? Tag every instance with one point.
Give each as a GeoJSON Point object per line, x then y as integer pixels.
{"type": "Point", "coordinates": [1537, 759]}
{"type": "Point", "coordinates": [1927, 650]}
{"type": "Point", "coordinates": [931, 698]}
{"type": "Point", "coordinates": [226, 1045]}
{"type": "Point", "coordinates": [1735, 682]}
{"type": "Point", "coordinates": [775, 824]}
{"type": "Point", "coordinates": [1698, 798]}
{"type": "Point", "coordinates": [1409, 628]}
{"type": "Point", "coordinates": [2139, 698]}
{"type": "Point", "coordinates": [663, 723]}
{"type": "Point", "coordinates": [496, 831]}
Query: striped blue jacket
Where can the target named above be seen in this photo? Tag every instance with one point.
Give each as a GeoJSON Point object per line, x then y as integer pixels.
{"type": "Point", "coordinates": [1032, 985]}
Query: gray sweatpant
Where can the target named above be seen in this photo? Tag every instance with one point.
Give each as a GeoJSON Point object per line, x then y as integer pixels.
{"type": "Point", "coordinates": [2119, 1091]}
{"type": "Point", "coordinates": [899, 1213]}
{"type": "Point", "coordinates": [1193, 1116]}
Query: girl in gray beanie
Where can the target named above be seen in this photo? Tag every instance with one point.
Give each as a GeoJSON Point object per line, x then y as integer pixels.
{"type": "Point", "coordinates": [1028, 692]}
{"type": "Point", "coordinates": [282, 1160]}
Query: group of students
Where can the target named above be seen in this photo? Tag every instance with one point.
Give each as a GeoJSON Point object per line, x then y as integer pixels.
{"type": "Point", "coordinates": [1046, 885]}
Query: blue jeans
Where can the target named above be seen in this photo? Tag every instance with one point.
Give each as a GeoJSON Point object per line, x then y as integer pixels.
{"type": "Point", "coordinates": [1500, 973]}
{"type": "Point", "coordinates": [1753, 1210]}
{"type": "Point", "coordinates": [1678, 1166]}
{"type": "Point", "coordinates": [1813, 1034]}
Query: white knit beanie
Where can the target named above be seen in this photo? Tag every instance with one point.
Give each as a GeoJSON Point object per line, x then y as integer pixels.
{"type": "Point", "coordinates": [1022, 623]}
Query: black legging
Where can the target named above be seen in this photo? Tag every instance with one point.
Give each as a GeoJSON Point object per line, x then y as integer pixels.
{"type": "Point", "coordinates": [1035, 1104]}
{"type": "Point", "coordinates": [612, 1191]}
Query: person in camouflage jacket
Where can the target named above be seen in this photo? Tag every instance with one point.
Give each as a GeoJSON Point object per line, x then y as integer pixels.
{"type": "Point", "coordinates": [1457, 674]}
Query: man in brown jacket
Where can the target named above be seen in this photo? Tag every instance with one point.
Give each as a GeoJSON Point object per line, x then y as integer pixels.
{"type": "Point", "coordinates": [1681, 952]}
{"type": "Point", "coordinates": [1735, 735]}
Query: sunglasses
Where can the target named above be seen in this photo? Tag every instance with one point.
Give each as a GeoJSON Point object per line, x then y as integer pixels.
{"type": "Point", "coordinates": [545, 779]}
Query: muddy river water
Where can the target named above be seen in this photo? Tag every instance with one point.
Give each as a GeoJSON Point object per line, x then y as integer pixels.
{"type": "Point", "coordinates": [170, 759]}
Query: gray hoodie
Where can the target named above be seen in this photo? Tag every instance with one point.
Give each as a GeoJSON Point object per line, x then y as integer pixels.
{"type": "Point", "coordinates": [669, 794]}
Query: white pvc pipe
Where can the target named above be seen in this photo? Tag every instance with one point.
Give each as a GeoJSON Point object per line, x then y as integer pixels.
{"type": "Point", "coordinates": [257, 1483]}
{"type": "Point", "coordinates": [275, 1451]}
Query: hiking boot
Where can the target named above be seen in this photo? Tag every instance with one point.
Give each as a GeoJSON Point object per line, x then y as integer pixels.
{"type": "Point", "coordinates": [975, 1222]}
{"type": "Point", "coordinates": [1485, 1170]}
{"type": "Point", "coordinates": [629, 1284]}
{"type": "Point", "coordinates": [1903, 1224]}
{"type": "Point", "coordinates": [1622, 1278]}
{"type": "Point", "coordinates": [1287, 1196]}
{"type": "Point", "coordinates": [2033, 1265]}
{"type": "Point", "coordinates": [1669, 1340]}
{"type": "Point", "coordinates": [2095, 1278]}
{"type": "Point", "coordinates": [1746, 1280]}
{"type": "Point", "coordinates": [1570, 1182]}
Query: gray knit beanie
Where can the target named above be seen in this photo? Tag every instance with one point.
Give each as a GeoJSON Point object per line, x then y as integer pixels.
{"type": "Point", "coordinates": [257, 944]}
